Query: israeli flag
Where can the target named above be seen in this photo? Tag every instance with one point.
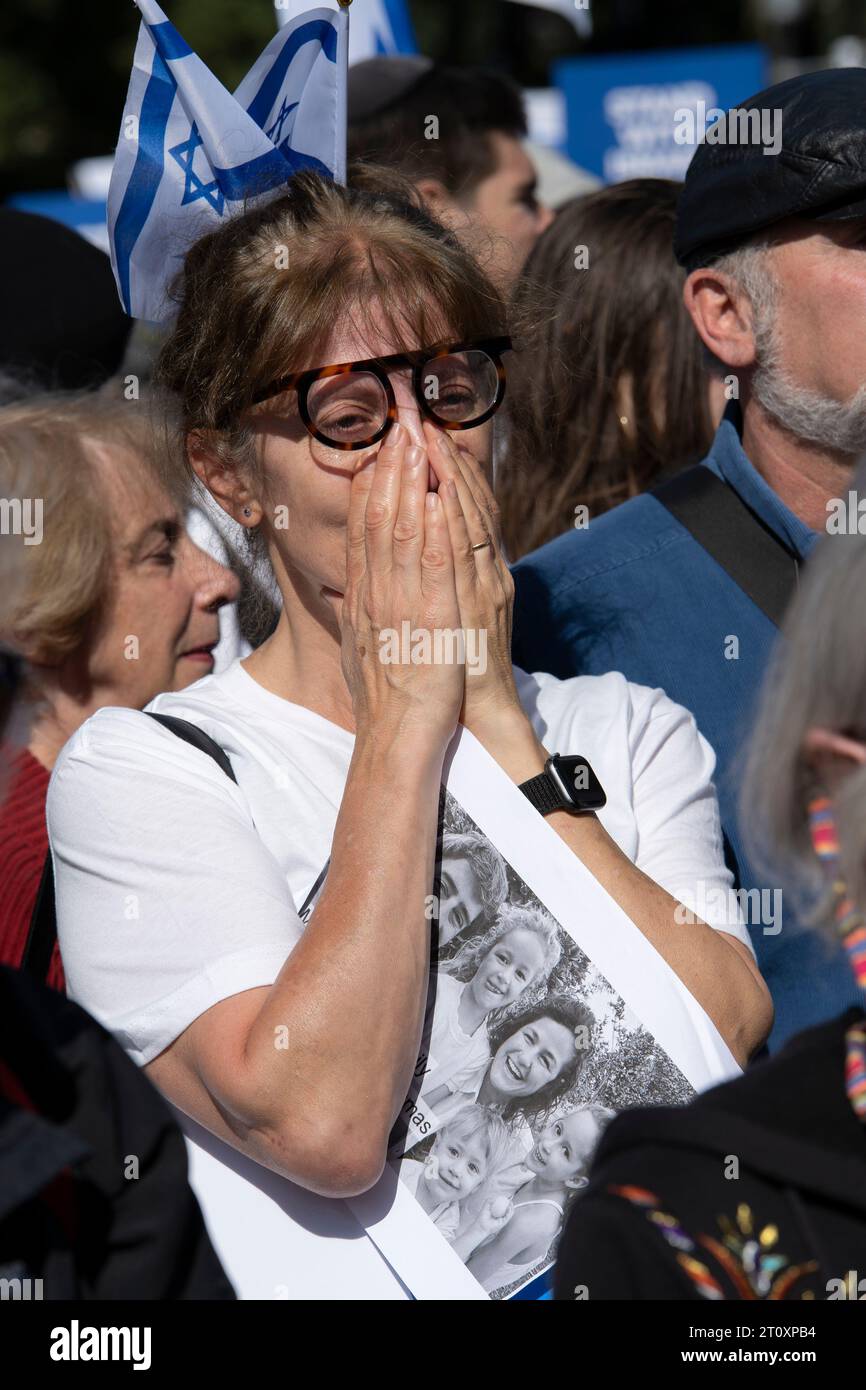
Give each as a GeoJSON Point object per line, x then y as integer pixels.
{"type": "Point", "coordinates": [190, 153]}
{"type": "Point", "coordinates": [378, 27]}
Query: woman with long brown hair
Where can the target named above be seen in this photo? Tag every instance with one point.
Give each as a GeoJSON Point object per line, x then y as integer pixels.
{"type": "Point", "coordinates": [339, 357]}
{"type": "Point", "coordinates": [609, 388]}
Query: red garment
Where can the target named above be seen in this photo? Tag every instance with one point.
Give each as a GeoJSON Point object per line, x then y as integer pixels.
{"type": "Point", "coordinates": [23, 847]}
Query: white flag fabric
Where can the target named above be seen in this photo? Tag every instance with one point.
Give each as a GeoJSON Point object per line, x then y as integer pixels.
{"type": "Point", "coordinates": [191, 153]}
{"type": "Point", "coordinates": [578, 11]}
{"type": "Point", "coordinates": [378, 27]}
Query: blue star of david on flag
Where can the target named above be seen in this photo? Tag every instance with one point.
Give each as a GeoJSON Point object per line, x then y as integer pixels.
{"type": "Point", "coordinates": [275, 133]}
{"type": "Point", "coordinates": [191, 153]}
{"type": "Point", "coordinates": [194, 187]}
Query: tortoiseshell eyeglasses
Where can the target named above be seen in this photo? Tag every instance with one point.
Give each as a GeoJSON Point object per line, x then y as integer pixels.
{"type": "Point", "coordinates": [350, 405]}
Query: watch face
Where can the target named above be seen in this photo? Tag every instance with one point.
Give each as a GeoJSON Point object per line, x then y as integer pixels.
{"type": "Point", "coordinates": [580, 784]}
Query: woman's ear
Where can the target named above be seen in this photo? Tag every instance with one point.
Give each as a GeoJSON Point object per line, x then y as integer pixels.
{"type": "Point", "coordinates": [832, 755]}
{"type": "Point", "coordinates": [224, 484]}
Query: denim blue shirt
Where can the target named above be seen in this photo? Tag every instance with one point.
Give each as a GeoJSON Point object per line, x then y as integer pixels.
{"type": "Point", "coordinates": [634, 592]}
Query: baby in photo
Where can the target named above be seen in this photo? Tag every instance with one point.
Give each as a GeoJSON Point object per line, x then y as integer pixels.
{"type": "Point", "coordinates": [519, 952]}
{"type": "Point", "coordinates": [463, 1155]}
{"type": "Point", "coordinates": [524, 1208]}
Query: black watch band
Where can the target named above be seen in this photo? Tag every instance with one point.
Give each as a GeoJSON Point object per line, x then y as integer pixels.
{"type": "Point", "coordinates": [544, 794]}
{"type": "Point", "coordinates": [567, 784]}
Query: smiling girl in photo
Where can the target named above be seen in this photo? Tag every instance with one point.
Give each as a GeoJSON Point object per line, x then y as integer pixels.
{"type": "Point", "coordinates": [511, 1234]}
{"type": "Point", "coordinates": [520, 950]}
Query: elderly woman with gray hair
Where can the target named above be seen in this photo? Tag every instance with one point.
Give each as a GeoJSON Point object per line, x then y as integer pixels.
{"type": "Point", "coordinates": [661, 1218]}
{"type": "Point", "coordinates": [104, 601]}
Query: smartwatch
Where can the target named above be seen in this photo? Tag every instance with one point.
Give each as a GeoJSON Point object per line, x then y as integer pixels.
{"type": "Point", "coordinates": [566, 784]}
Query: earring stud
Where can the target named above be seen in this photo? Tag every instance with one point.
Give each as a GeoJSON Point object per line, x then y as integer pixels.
{"type": "Point", "coordinates": [248, 511]}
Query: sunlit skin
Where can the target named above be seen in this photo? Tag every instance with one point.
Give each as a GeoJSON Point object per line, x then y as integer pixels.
{"type": "Point", "coordinates": [312, 481]}
{"type": "Point", "coordinates": [460, 1166]}
{"type": "Point", "coordinates": [505, 972]}
{"type": "Point", "coordinates": [160, 622]}
{"type": "Point", "coordinates": [533, 1056]}
{"type": "Point", "coordinates": [821, 273]}
{"type": "Point", "coordinates": [501, 218]}
{"type": "Point", "coordinates": [166, 593]}
{"type": "Point", "coordinates": [460, 900]}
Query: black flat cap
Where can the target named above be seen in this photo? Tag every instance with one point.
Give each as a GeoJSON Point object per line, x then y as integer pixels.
{"type": "Point", "coordinates": [734, 189]}
{"type": "Point", "coordinates": [377, 83]}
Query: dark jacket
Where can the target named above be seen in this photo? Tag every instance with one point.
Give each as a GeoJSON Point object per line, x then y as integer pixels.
{"type": "Point", "coordinates": [94, 1198]}
{"type": "Point", "coordinates": [635, 592]}
{"type": "Point", "coordinates": [755, 1190]}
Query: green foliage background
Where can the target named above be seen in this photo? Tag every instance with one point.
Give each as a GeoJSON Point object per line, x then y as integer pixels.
{"type": "Point", "coordinates": [64, 64]}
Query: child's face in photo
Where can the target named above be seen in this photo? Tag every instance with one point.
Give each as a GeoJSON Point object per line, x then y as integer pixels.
{"type": "Point", "coordinates": [462, 1167]}
{"type": "Point", "coordinates": [536, 1054]}
{"type": "Point", "coordinates": [460, 900]}
{"type": "Point", "coordinates": [564, 1147]}
{"type": "Point", "coordinates": [507, 969]}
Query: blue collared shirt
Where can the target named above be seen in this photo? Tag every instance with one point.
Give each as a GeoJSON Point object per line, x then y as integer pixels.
{"type": "Point", "coordinates": [634, 592]}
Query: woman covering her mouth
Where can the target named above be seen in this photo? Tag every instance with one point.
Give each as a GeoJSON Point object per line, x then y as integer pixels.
{"type": "Point", "coordinates": [339, 359]}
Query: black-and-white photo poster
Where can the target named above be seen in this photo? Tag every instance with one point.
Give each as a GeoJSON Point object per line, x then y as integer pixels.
{"type": "Point", "coordinates": [527, 1053]}
{"type": "Point", "coordinates": [529, 1048]}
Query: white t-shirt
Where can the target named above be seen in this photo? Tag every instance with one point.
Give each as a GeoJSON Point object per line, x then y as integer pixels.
{"type": "Point", "coordinates": [177, 889]}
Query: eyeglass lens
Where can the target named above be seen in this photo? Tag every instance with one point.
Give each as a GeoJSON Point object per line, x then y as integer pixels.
{"type": "Point", "coordinates": [353, 406]}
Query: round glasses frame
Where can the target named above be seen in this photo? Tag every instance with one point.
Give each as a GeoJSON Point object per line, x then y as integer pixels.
{"type": "Point", "coordinates": [377, 367]}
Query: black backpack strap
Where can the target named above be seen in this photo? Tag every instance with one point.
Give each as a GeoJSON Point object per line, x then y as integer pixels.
{"type": "Point", "coordinates": [42, 932]}
{"type": "Point", "coordinates": [720, 521]}
{"type": "Point", "coordinates": [191, 733]}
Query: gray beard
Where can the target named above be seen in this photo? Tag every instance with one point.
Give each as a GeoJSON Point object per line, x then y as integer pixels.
{"type": "Point", "coordinates": [836, 425]}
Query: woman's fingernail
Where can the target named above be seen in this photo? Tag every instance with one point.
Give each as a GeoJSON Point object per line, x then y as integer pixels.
{"type": "Point", "coordinates": [397, 433]}
{"type": "Point", "coordinates": [432, 501]}
{"type": "Point", "coordinates": [450, 488]}
{"type": "Point", "coordinates": [415, 456]}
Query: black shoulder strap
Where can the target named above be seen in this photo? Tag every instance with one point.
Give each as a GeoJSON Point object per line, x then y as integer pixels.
{"type": "Point", "coordinates": [756, 559]}
{"type": "Point", "coordinates": [42, 932]}
{"type": "Point", "coordinates": [191, 733]}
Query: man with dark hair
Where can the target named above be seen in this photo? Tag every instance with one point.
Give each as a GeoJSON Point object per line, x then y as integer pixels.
{"type": "Point", "coordinates": [456, 133]}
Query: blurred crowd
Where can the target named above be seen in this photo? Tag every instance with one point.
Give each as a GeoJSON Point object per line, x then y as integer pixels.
{"type": "Point", "coordinates": [683, 411]}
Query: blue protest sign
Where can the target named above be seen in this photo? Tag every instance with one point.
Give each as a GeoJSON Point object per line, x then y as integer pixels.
{"type": "Point", "coordinates": [624, 110]}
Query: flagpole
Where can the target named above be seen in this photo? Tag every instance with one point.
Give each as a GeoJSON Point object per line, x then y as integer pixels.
{"type": "Point", "coordinates": [342, 116]}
